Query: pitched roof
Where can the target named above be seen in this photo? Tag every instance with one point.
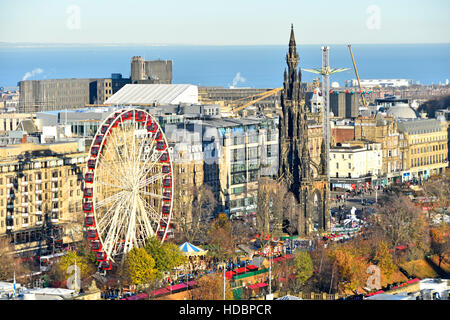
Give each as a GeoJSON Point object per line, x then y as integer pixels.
{"type": "Point", "coordinates": [258, 261]}
{"type": "Point", "coordinates": [420, 126]}
{"type": "Point", "coordinates": [28, 126]}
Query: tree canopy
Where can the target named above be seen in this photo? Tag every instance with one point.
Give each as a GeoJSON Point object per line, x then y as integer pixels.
{"type": "Point", "coordinates": [139, 266]}
{"type": "Point", "coordinates": [304, 266]}
{"type": "Point", "coordinates": [166, 255]}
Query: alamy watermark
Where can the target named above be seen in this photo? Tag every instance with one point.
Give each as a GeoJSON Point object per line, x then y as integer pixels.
{"type": "Point", "coordinates": [373, 21]}
{"type": "Point", "coordinates": [210, 141]}
{"type": "Point", "coordinates": [74, 280]}
{"type": "Point", "coordinates": [73, 21]}
{"type": "Point", "coordinates": [374, 280]}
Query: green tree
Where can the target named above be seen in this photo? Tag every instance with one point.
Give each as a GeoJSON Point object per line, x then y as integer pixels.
{"type": "Point", "coordinates": [166, 255]}
{"type": "Point", "coordinates": [139, 266]}
{"type": "Point", "coordinates": [383, 259]}
{"type": "Point", "coordinates": [82, 262]}
{"type": "Point", "coordinates": [174, 256]}
{"type": "Point", "coordinates": [62, 272]}
{"type": "Point", "coordinates": [304, 266]}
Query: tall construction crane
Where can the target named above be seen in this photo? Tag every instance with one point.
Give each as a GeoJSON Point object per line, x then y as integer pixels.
{"type": "Point", "coordinates": [261, 96]}
{"type": "Point", "coordinates": [357, 76]}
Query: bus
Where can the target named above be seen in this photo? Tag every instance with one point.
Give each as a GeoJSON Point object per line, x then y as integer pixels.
{"type": "Point", "coordinates": [45, 262]}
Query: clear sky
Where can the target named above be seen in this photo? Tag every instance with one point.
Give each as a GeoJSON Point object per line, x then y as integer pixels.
{"type": "Point", "coordinates": [225, 22]}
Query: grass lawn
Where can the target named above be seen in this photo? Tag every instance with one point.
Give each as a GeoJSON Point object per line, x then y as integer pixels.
{"type": "Point", "coordinates": [396, 277]}
{"type": "Point", "coordinates": [445, 265]}
{"type": "Point", "coordinates": [422, 269]}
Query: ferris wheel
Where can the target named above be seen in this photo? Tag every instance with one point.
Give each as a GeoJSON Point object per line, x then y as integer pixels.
{"type": "Point", "coordinates": [128, 188]}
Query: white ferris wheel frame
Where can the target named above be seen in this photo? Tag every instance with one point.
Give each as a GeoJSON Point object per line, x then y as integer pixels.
{"type": "Point", "coordinates": [129, 214]}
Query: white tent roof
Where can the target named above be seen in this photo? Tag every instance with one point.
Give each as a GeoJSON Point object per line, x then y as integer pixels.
{"type": "Point", "coordinates": [289, 297]}
{"type": "Point", "coordinates": [61, 292]}
{"type": "Point", "coordinates": [189, 249]}
{"type": "Point", "coordinates": [155, 93]}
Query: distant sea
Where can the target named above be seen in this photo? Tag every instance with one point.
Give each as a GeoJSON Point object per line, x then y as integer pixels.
{"type": "Point", "coordinates": [241, 66]}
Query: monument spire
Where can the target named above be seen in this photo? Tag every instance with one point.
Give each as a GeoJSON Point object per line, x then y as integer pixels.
{"type": "Point", "coordinates": [296, 167]}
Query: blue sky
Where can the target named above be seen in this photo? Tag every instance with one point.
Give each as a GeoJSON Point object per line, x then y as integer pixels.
{"type": "Point", "coordinates": [226, 22]}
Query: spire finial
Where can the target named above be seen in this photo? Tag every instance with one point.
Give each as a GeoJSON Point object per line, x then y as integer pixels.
{"type": "Point", "coordinates": [292, 38]}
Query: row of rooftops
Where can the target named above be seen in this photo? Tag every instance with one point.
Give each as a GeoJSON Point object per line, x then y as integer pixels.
{"type": "Point", "coordinates": [189, 111]}
{"type": "Point", "coordinates": [420, 126]}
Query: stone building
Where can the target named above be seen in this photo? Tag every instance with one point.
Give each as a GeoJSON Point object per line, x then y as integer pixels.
{"type": "Point", "coordinates": [40, 195]}
{"type": "Point", "coordinates": [237, 152]}
{"type": "Point", "coordinates": [341, 131]}
{"type": "Point", "coordinates": [59, 94]}
{"type": "Point", "coordinates": [344, 104]}
{"type": "Point", "coordinates": [383, 129]}
{"type": "Point", "coordinates": [150, 71]}
{"type": "Point", "coordinates": [337, 104]}
{"type": "Point", "coordinates": [228, 155]}
{"type": "Point", "coordinates": [351, 104]}
{"type": "Point", "coordinates": [10, 121]}
{"type": "Point", "coordinates": [187, 158]}
{"type": "Point", "coordinates": [306, 179]}
{"type": "Point", "coordinates": [354, 165]}
{"type": "Point", "coordinates": [426, 146]}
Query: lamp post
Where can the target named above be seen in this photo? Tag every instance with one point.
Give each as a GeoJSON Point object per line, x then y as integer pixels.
{"type": "Point", "coordinates": [376, 188]}
{"type": "Point", "coordinates": [270, 269]}
{"type": "Point", "coordinates": [224, 284]}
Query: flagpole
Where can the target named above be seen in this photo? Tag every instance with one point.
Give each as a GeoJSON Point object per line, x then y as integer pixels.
{"type": "Point", "coordinates": [14, 283]}
{"type": "Point", "coordinates": [224, 283]}
{"type": "Point", "coordinates": [270, 269]}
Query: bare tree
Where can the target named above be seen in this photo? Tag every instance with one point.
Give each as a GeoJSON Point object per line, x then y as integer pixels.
{"type": "Point", "coordinates": [400, 222]}
{"type": "Point", "coordinates": [270, 209]}
{"type": "Point", "coordinates": [199, 208]}
{"type": "Point", "coordinates": [440, 242]}
{"type": "Point", "coordinates": [263, 207]}
{"type": "Point", "coordinates": [439, 189]}
{"type": "Point", "coordinates": [9, 263]}
{"type": "Point", "coordinates": [240, 232]}
{"type": "Point", "coordinates": [210, 287]}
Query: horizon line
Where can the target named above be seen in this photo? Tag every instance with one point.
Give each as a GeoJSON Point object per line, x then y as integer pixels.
{"type": "Point", "coordinates": [117, 44]}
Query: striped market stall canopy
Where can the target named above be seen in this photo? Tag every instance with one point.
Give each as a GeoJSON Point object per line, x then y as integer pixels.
{"type": "Point", "coordinates": [191, 250]}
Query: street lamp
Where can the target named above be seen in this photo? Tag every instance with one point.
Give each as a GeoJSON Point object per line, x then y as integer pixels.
{"type": "Point", "coordinates": [376, 188]}
{"type": "Point", "coordinates": [268, 238]}
{"type": "Point", "coordinates": [224, 283]}
{"type": "Point", "coordinates": [270, 269]}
